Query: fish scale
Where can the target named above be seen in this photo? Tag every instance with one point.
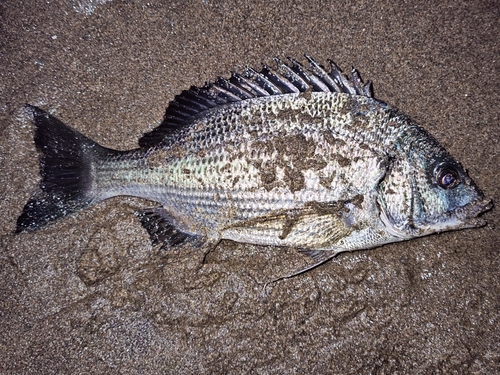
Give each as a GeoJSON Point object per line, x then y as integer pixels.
{"type": "Point", "coordinates": [286, 157]}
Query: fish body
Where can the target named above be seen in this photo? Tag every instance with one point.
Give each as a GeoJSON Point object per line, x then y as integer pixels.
{"type": "Point", "coordinates": [286, 156]}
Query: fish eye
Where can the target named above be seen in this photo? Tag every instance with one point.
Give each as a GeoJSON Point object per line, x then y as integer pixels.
{"type": "Point", "coordinates": [447, 177]}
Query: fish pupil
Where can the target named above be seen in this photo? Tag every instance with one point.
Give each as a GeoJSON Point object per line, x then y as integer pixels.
{"type": "Point", "coordinates": [448, 178]}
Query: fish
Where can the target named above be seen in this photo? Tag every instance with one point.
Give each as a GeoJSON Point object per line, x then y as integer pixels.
{"type": "Point", "coordinates": [290, 156]}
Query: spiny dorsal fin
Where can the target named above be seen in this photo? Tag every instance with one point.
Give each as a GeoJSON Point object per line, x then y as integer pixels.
{"type": "Point", "coordinates": [284, 79]}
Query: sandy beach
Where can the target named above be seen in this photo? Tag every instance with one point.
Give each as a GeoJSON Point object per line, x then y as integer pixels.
{"type": "Point", "coordinates": [90, 294]}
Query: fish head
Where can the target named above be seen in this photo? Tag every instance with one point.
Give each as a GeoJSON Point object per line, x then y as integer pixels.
{"type": "Point", "coordinates": [450, 200]}
{"type": "Point", "coordinates": [427, 191]}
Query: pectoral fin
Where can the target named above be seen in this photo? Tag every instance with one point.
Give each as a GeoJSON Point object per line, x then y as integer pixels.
{"type": "Point", "coordinates": [317, 226]}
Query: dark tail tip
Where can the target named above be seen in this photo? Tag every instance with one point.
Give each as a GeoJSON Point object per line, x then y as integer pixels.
{"type": "Point", "coordinates": [66, 168]}
{"type": "Point", "coordinates": [40, 211]}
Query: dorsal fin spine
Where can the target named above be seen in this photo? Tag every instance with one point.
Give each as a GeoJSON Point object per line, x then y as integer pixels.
{"type": "Point", "coordinates": [319, 71]}
{"type": "Point", "coordinates": [293, 77]}
{"type": "Point", "coordinates": [263, 82]}
{"type": "Point", "coordinates": [298, 69]}
{"type": "Point", "coordinates": [259, 91]}
{"type": "Point", "coordinates": [339, 78]}
{"type": "Point", "coordinates": [318, 84]}
{"type": "Point", "coordinates": [284, 79]}
{"type": "Point", "coordinates": [222, 93]}
{"type": "Point", "coordinates": [235, 89]}
{"type": "Point", "coordinates": [283, 84]}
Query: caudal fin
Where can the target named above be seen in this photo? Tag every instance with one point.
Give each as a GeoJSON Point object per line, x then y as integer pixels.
{"type": "Point", "coordinates": [66, 158]}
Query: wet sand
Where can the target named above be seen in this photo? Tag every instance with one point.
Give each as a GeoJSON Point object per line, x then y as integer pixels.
{"type": "Point", "coordinates": [90, 294]}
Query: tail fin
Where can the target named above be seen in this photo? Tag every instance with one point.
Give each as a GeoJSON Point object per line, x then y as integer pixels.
{"type": "Point", "coordinates": [66, 168]}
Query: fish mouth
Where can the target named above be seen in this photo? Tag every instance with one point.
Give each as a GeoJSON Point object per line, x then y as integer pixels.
{"type": "Point", "coordinates": [459, 218]}
{"type": "Point", "coordinates": [469, 213]}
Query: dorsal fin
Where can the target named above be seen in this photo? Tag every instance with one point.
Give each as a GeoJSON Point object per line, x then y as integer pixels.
{"type": "Point", "coordinates": [284, 79]}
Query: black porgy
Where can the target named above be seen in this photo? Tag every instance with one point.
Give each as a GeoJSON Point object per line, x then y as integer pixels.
{"type": "Point", "coordinates": [288, 156]}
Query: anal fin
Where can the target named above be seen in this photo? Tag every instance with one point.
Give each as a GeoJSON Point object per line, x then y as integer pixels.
{"type": "Point", "coordinates": [162, 228]}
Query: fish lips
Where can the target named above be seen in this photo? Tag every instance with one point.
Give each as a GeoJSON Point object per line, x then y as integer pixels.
{"type": "Point", "coordinates": [460, 218]}
{"type": "Point", "coordinates": [470, 212]}
{"type": "Point", "coordinates": [464, 217]}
